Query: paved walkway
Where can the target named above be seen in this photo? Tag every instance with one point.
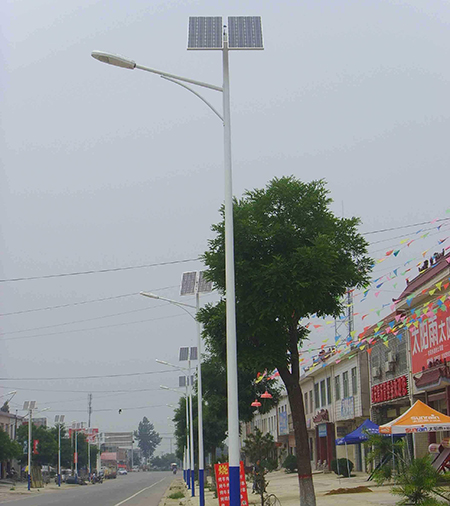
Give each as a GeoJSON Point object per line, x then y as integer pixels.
{"type": "Point", "coordinates": [285, 487]}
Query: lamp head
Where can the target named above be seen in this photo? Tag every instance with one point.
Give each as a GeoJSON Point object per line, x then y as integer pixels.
{"type": "Point", "coordinates": [114, 59]}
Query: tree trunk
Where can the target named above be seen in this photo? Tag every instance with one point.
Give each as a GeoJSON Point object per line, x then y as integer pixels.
{"type": "Point", "coordinates": [307, 494]}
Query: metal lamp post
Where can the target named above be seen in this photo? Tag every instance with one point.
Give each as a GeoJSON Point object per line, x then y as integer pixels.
{"type": "Point", "coordinates": [244, 32]}
{"type": "Point", "coordinates": [59, 419]}
{"type": "Point", "coordinates": [186, 381]}
{"type": "Point", "coordinates": [29, 406]}
{"type": "Point", "coordinates": [193, 283]}
{"type": "Point", "coordinates": [187, 465]}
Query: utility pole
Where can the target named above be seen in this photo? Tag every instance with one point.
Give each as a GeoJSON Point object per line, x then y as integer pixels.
{"type": "Point", "coordinates": [89, 410]}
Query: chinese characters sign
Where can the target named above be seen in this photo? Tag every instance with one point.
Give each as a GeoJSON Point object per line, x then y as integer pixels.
{"type": "Point", "coordinates": [389, 390]}
{"type": "Point", "coordinates": [430, 340]}
{"type": "Point", "coordinates": [223, 484]}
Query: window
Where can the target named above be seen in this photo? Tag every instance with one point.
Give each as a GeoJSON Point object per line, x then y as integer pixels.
{"type": "Point", "coordinates": [311, 407]}
{"type": "Point", "coordinates": [345, 383]}
{"type": "Point", "coordinates": [354, 381]}
{"type": "Point", "coordinates": [323, 393]}
{"type": "Point", "coordinates": [329, 393]}
{"type": "Point", "coordinates": [337, 387]}
{"type": "Point", "coordinates": [316, 395]}
{"type": "Point", "coordinates": [306, 403]}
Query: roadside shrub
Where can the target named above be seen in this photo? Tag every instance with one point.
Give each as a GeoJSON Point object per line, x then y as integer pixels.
{"type": "Point", "coordinates": [418, 484]}
{"type": "Point", "coordinates": [290, 463]}
{"type": "Point", "coordinates": [176, 495]}
{"type": "Point", "coordinates": [343, 467]}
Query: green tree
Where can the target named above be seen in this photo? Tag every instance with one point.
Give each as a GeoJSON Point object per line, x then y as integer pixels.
{"type": "Point", "coordinates": [293, 259]}
{"type": "Point", "coordinates": [148, 438]}
{"type": "Point", "coordinates": [9, 449]}
{"type": "Point", "coordinates": [418, 483]}
{"type": "Point", "coordinates": [215, 404]}
{"type": "Point", "coordinates": [47, 448]}
{"type": "Point", "coordinates": [164, 461]}
{"type": "Point", "coordinates": [381, 450]}
{"type": "Point", "coordinates": [259, 448]}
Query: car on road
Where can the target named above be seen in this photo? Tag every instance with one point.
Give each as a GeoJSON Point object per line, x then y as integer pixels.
{"type": "Point", "coordinates": [123, 471]}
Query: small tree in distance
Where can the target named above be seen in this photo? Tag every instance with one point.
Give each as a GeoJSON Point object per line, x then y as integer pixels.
{"type": "Point", "coordinates": [148, 438]}
{"type": "Point", "coordinates": [293, 258]}
{"type": "Point", "coordinates": [259, 449]}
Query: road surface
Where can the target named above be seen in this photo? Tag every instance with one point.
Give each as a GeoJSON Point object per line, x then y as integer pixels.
{"type": "Point", "coordinates": [135, 489]}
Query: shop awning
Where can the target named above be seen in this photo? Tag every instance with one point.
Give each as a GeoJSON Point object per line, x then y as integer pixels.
{"type": "Point", "coordinates": [359, 434]}
{"type": "Point", "coordinates": [418, 418]}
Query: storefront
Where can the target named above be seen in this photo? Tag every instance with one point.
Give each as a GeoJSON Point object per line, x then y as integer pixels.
{"type": "Point", "coordinates": [325, 439]}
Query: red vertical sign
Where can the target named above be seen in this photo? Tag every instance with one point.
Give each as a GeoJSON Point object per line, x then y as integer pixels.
{"type": "Point", "coordinates": [35, 446]}
{"type": "Point", "coordinates": [75, 457]}
{"type": "Point", "coordinates": [223, 484]}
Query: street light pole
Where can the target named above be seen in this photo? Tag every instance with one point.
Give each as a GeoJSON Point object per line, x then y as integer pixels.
{"type": "Point", "coordinates": [59, 419]}
{"type": "Point", "coordinates": [201, 455]}
{"type": "Point", "coordinates": [191, 429]}
{"type": "Point", "coordinates": [189, 423]}
{"type": "Point", "coordinates": [232, 384]}
{"type": "Point", "coordinates": [30, 418]}
{"type": "Point", "coordinates": [247, 34]}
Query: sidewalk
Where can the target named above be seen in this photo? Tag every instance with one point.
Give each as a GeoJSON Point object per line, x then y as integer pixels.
{"type": "Point", "coordinates": [19, 490]}
{"type": "Point", "coordinates": [285, 487]}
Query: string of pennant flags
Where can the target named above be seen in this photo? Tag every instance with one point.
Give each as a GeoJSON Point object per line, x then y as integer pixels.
{"type": "Point", "coordinates": [383, 330]}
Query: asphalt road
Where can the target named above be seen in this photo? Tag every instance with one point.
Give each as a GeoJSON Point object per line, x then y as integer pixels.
{"type": "Point", "coordinates": [135, 489]}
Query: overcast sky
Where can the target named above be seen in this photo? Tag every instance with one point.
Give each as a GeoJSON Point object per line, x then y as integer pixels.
{"type": "Point", "coordinates": [103, 167]}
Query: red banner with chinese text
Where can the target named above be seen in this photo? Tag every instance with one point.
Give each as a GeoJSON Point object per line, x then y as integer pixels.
{"type": "Point", "coordinates": [223, 484]}
{"type": "Point", "coordinates": [430, 340]}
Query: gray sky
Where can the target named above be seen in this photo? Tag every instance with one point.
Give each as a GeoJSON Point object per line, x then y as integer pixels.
{"type": "Point", "coordinates": [103, 168]}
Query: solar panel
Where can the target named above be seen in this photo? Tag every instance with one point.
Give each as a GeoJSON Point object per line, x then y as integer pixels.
{"type": "Point", "coordinates": [32, 404]}
{"type": "Point", "coordinates": [26, 405]}
{"type": "Point", "coordinates": [188, 283]}
{"type": "Point", "coordinates": [194, 354]}
{"type": "Point", "coordinates": [204, 286]}
{"type": "Point", "coordinates": [62, 418]}
{"type": "Point", "coordinates": [181, 381]}
{"type": "Point", "coordinates": [245, 32]}
{"type": "Point", "coordinates": [56, 418]}
{"type": "Point", "coordinates": [184, 354]}
{"type": "Point", "coordinates": [205, 33]}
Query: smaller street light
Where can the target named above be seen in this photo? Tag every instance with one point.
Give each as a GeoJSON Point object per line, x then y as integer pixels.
{"type": "Point", "coordinates": [186, 460]}
{"type": "Point", "coordinates": [59, 419]}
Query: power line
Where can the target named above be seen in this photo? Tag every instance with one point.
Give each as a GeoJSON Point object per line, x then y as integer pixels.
{"type": "Point", "coordinates": [99, 271]}
{"type": "Point", "coordinates": [144, 266]}
{"type": "Point", "coordinates": [97, 376]}
{"type": "Point", "coordinates": [403, 226]}
{"type": "Point", "coordinates": [112, 409]}
{"type": "Point", "coordinates": [91, 328]}
{"type": "Point", "coordinates": [75, 303]}
{"type": "Point", "coordinates": [82, 321]}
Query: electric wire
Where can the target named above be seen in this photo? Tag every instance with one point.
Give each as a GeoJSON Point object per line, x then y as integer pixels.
{"type": "Point", "coordinates": [99, 271]}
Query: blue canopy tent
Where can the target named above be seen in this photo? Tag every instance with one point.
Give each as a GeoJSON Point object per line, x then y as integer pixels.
{"type": "Point", "coordinates": [357, 436]}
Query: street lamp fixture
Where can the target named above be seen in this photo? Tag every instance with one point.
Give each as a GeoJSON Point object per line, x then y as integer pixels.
{"type": "Point", "coordinates": [256, 403]}
{"type": "Point", "coordinates": [266, 395]}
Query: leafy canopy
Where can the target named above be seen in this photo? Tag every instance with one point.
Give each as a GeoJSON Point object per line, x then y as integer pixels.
{"type": "Point", "coordinates": [148, 438]}
{"type": "Point", "coordinates": [9, 449]}
{"type": "Point", "coordinates": [293, 258]}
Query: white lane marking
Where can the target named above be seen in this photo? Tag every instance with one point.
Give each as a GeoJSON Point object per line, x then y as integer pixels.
{"type": "Point", "coordinates": [137, 493]}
